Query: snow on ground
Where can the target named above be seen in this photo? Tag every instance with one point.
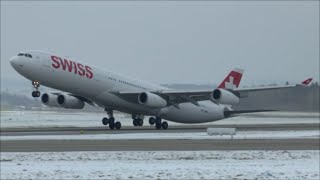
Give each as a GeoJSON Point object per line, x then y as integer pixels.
{"type": "Point", "coordinates": [89, 119]}
{"type": "Point", "coordinates": [162, 165]}
{"type": "Point", "coordinates": [307, 134]}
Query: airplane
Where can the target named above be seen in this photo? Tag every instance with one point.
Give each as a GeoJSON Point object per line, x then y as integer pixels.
{"type": "Point", "coordinates": [82, 84]}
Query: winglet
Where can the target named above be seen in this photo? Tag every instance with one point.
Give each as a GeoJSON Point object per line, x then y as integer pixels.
{"type": "Point", "coordinates": [232, 80]}
{"type": "Point", "coordinates": [306, 82]}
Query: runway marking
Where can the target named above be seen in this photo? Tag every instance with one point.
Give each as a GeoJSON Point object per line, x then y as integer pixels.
{"type": "Point", "coordinates": [156, 145]}
{"type": "Point", "coordinates": [174, 129]}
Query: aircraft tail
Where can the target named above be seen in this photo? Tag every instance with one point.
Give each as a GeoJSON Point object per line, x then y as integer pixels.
{"type": "Point", "coordinates": [232, 80]}
{"type": "Point", "coordinates": [306, 82]}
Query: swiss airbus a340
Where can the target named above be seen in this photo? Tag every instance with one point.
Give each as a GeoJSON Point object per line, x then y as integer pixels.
{"type": "Point", "coordinates": [82, 83]}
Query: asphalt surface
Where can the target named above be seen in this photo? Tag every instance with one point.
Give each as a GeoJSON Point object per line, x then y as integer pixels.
{"type": "Point", "coordinates": [157, 145]}
{"type": "Point", "coordinates": [154, 144]}
{"type": "Point", "coordinates": [150, 129]}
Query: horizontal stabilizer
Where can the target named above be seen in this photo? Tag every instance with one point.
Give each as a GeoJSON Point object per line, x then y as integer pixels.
{"type": "Point", "coordinates": [231, 113]}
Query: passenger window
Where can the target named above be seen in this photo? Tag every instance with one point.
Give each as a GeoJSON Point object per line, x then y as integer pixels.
{"type": "Point", "coordinates": [20, 54]}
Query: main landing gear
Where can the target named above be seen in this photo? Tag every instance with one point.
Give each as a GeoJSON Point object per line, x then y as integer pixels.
{"type": "Point", "coordinates": [137, 120]}
{"type": "Point", "coordinates": [36, 85]}
{"type": "Point", "coordinates": [158, 123]}
{"type": "Point", "coordinates": [111, 121]}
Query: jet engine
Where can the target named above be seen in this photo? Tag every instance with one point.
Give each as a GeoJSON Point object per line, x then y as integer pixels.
{"type": "Point", "coordinates": [70, 102]}
{"type": "Point", "coordinates": [224, 97]}
{"type": "Point", "coordinates": [50, 100]}
{"type": "Point", "coordinates": [151, 100]}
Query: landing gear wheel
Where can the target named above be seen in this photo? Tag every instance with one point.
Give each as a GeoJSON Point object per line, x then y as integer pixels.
{"type": "Point", "coordinates": [105, 121]}
{"type": "Point", "coordinates": [158, 126]}
{"type": "Point", "coordinates": [158, 120]}
{"type": "Point", "coordinates": [117, 125]}
{"type": "Point", "coordinates": [140, 122]}
{"type": "Point", "coordinates": [111, 123]}
{"type": "Point", "coordinates": [152, 121]}
{"type": "Point", "coordinates": [111, 119]}
{"type": "Point", "coordinates": [36, 93]}
{"type": "Point", "coordinates": [164, 125]}
{"type": "Point", "coordinates": [135, 122]}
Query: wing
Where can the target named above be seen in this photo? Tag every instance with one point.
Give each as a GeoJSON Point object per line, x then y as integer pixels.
{"type": "Point", "coordinates": [243, 92]}
{"type": "Point", "coordinates": [171, 96]}
{"type": "Point", "coordinates": [175, 97]}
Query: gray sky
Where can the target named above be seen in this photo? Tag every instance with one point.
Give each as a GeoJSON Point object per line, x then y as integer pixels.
{"type": "Point", "coordinates": [169, 42]}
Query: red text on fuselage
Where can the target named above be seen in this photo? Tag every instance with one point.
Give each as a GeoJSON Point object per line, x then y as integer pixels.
{"type": "Point", "coordinates": [71, 66]}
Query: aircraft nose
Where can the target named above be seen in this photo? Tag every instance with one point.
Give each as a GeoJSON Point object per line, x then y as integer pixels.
{"type": "Point", "coordinates": [14, 61]}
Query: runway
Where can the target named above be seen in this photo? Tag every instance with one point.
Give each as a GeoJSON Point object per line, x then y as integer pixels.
{"type": "Point", "coordinates": [56, 131]}
{"type": "Point", "coordinates": [157, 145]}
{"type": "Point", "coordinates": [150, 129]}
{"type": "Point", "coordinates": [178, 144]}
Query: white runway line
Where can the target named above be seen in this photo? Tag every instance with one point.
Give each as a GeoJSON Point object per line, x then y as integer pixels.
{"type": "Point", "coordinates": [162, 165]}
{"type": "Point", "coordinates": [308, 134]}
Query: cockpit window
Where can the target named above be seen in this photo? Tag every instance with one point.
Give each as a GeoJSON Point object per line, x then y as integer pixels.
{"type": "Point", "coordinates": [26, 55]}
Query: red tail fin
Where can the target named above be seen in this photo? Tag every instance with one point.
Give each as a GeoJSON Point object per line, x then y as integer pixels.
{"type": "Point", "coordinates": [306, 82]}
{"type": "Point", "coordinates": [232, 80]}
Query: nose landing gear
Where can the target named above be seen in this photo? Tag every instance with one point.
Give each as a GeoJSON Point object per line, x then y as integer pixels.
{"type": "Point", "coordinates": [36, 85]}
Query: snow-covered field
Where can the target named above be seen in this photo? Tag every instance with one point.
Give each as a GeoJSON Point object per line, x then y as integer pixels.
{"type": "Point", "coordinates": [307, 134]}
{"type": "Point", "coordinates": [159, 164]}
{"type": "Point", "coordinates": [87, 119]}
{"type": "Point", "coordinates": [162, 165]}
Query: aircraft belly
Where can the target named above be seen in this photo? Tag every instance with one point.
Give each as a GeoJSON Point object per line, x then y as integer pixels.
{"type": "Point", "coordinates": [190, 113]}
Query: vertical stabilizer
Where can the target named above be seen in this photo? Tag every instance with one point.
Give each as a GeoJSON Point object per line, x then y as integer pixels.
{"type": "Point", "coordinates": [307, 82]}
{"type": "Point", "coordinates": [232, 80]}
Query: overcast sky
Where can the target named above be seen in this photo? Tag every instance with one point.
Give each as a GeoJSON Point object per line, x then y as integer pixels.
{"type": "Point", "coordinates": [169, 42]}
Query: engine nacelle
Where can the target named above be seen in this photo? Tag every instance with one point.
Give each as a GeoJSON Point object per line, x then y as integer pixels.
{"type": "Point", "coordinates": [151, 100]}
{"type": "Point", "coordinates": [70, 102]}
{"type": "Point", "coordinates": [224, 97]}
{"type": "Point", "coordinates": [50, 100]}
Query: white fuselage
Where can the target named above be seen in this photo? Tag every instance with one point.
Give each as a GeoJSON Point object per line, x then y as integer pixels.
{"type": "Point", "coordinates": [98, 85]}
